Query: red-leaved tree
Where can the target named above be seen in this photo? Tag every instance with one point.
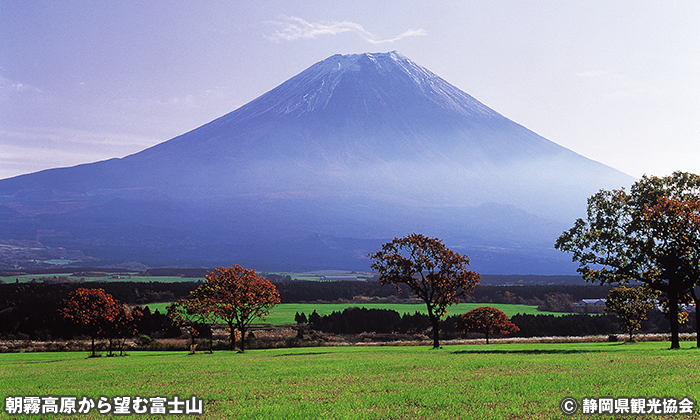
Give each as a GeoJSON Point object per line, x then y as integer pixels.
{"type": "Point", "coordinates": [237, 296]}
{"type": "Point", "coordinates": [435, 274]}
{"type": "Point", "coordinates": [486, 320]}
{"type": "Point", "coordinates": [122, 326]}
{"type": "Point", "coordinates": [93, 310]}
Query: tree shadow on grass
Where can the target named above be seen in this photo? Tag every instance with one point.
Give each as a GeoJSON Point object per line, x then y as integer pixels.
{"type": "Point", "coordinates": [534, 351]}
{"type": "Point", "coordinates": [610, 348]}
{"type": "Point", "coordinates": [308, 353]}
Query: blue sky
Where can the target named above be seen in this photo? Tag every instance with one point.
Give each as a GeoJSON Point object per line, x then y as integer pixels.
{"type": "Point", "coordinates": [81, 81]}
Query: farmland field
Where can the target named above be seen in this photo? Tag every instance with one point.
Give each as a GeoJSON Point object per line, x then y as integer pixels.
{"type": "Point", "coordinates": [496, 381]}
{"type": "Point", "coordinates": [284, 313]}
{"type": "Point", "coordinates": [25, 278]}
{"type": "Point", "coordinates": [135, 277]}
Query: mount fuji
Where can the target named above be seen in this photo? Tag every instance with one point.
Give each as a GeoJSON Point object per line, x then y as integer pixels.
{"type": "Point", "coordinates": [317, 173]}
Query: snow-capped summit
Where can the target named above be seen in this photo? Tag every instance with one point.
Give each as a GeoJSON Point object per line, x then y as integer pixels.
{"type": "Point", "coordinates": [315, 87]}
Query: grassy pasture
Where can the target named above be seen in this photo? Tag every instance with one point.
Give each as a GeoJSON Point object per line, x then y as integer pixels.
{"type": "Point", "coordinates": [284, 313]}
{"type": "Point", "coordinates": [496, 381]}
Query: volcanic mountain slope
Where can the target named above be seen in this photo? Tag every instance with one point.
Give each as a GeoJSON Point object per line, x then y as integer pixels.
{"type": "Point", "coordinates": [318, 172]}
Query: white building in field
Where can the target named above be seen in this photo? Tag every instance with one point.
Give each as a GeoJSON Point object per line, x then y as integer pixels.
{"type": "Point", "coordinates": [682, 307]}
{"type": "Point", "coordinates": [592, 302]}
{"type": "Point", "coordinates": [590, 306]}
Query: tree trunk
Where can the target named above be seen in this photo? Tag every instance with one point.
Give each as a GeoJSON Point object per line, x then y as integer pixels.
{"type": "Point", "coordinates": [435, 322]}
{"type": "Point", "coordinates": [697, 304]}
{"type": "Point", "coordinates": [93, 346]}
{"type": "Point", "coordinates": [487, 337]}
{"type": "Point", "coordinates": [673, 314]}
{"type": "Point", "coordinates": [232, 336]}
{"type": "Point", "coordinates": [436, 333]}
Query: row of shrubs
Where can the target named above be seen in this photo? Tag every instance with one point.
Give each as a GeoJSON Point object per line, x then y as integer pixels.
{"type": "Point", "coordinates": [358, 320]}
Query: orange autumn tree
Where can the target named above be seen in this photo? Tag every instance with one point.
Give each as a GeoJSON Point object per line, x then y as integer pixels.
{"type": "Point", "coordinates": [237, 296]}
{"type": "Point", "coordinates": [93, 310]}
{"type": "Point", "coordinates": [435, 274]}
{"type": "Point", "coordinates": [486, 320]}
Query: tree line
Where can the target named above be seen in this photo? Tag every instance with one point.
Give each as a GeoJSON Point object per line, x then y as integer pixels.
{"type": "Point", "coordinates": [142, 293]}
{"type": "Point", "coordinates": [312, 291]}
{"type": "Point", "coordinates": [357, 320]}
{"type": "Point", "coordinates": [30, 310]}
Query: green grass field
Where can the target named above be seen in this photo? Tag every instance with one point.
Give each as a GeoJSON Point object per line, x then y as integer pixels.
{"type": "Point", "coordinates": [284, 313]}
{"type": "Point", "coordinates": [496, 381]}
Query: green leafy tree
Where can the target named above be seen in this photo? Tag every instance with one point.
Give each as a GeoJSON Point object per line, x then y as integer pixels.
{"type": "Point", "coordinates": [651, 234]}
{"type": "Point", "coordinates": [433, 272]}
{"type": "Point", "coordinates": [192, 313]}
{"type": "Point", "coordinates": [630, 304]}
{"type": "Point", "coordinates": [486, 320]}
{"type": "Point", "coordinates": [238, 297]}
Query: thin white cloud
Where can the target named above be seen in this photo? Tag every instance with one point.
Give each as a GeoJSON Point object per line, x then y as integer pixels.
{"type": "Point", "coordinates": [294, 28]}
{"type": "Point", "coordinates": [15, 86]}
